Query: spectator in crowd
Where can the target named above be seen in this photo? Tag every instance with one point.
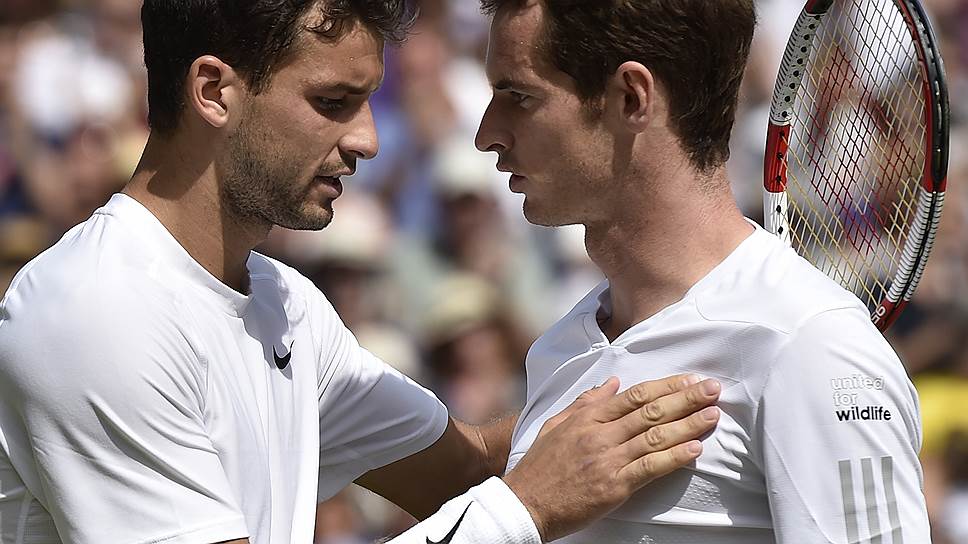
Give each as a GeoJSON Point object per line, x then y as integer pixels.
{"type": "Point", "coordinates": [474, 348]}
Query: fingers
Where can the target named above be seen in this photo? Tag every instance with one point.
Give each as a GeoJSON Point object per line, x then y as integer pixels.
{"type": "Point", "coordinates": [670, 408]}
{"type": "Point", "coordinates": [608, 389]}
{"type": "Point", "coordinates": [642, 394]}
{"type": "Point", "coordinates": [596, 394]}
{"type": "Point", "coordinates": [669, 435]}
{"type": "Point", "coordinates": [644, 469]}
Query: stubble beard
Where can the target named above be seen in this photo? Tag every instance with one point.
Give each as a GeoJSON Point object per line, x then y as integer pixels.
{"type": "Point", "coordinates": [261, 186]}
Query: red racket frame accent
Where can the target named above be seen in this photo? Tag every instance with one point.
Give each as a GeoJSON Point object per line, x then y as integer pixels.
{"type": "Point", "coordinates": [777, 145]}
{"type": "Point", "coordinates": [817, 7]}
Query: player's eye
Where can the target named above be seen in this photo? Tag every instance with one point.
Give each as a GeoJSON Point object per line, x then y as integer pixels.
{"type": "Point", "coordinates": [330, 104]}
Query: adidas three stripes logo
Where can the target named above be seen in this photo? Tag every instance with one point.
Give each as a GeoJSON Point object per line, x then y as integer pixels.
{"type": "Point", "coordinates": [869, 498]}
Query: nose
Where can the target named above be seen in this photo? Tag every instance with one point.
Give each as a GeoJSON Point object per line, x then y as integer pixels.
{"type": "Point", "coordinates": [361, 140]}
{"type": "Point", "coordinates": [491, 135]}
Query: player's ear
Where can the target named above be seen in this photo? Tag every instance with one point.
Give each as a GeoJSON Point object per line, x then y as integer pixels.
{"type": "Point", "coordinates": [632, 90]}
{"type": "Point", "coordinates": [214, 90]}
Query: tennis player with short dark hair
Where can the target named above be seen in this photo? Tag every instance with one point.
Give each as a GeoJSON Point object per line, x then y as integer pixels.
{"type": "Point", "coordinates": [616, 116]}
{"type": "Point", "coordinates": [161, 382]}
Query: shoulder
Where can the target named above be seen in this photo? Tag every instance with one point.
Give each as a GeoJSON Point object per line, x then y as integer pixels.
{"type": "Point", "coordinates": [840, 333]}
{"type": "Point", "coordinates": [773, 288]}
{"type": "Point", "coordinates": [96, 299]}
{"type": "Point", "coordinates": [797, 328]}
{"type": "Point", "coordinates": [94, 271]}
{"type": "Point", "coordinates": [838, 359]}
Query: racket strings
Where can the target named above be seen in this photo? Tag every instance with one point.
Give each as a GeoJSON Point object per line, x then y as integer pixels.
{"type": "Point", "coordinates": [856, 146]}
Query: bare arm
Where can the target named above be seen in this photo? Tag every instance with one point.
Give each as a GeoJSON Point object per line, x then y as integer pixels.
{"type": "Point", "coordinates": [495, 440]}
{"type": "Point", "coordinates": [465, 454]}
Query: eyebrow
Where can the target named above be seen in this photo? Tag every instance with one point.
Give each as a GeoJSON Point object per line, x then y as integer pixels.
{"type": "Point", "coordinates": [348, 88]}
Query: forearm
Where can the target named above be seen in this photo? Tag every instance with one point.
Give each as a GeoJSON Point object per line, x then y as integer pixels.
{"type": "Point", "coordinates": [494, 441]}
{"type": "Point", "coordinates": [466, 454]}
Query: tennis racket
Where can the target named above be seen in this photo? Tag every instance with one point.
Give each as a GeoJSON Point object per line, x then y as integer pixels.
{"type": "Point", "coordinates": [857, 147]}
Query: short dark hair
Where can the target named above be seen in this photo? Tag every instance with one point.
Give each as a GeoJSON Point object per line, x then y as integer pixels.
{"type": "Point", "coordinates": [697, 49]}
{"type": "Point", "coordinates": [252, 36]}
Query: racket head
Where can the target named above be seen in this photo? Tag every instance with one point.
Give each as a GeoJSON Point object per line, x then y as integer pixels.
{"type": "Point", "coordinates": [857, 148]}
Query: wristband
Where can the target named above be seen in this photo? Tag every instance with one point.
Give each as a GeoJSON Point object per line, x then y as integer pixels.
{"type": "Point", "coordinates": [487, 514]}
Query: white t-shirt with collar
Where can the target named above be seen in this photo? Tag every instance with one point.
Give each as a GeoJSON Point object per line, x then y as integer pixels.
{"type": "Point", "coordinates": [820, 430]}
{"type": "Point", "coordinates": [142, 400]}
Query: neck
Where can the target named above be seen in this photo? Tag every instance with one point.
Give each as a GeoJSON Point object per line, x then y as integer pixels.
{"type": "Point", "coordinates": [177, 183]}
{"type": "Point", "coordinates": [658, 244]}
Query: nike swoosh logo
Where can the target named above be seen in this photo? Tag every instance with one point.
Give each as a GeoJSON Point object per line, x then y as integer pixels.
{"type": "Point", "coordinates": [453, 531]}
{"type": "Point", "coordinates": [282, 362]}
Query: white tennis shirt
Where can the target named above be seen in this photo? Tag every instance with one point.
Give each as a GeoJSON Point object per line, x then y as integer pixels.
{"type": "Point", "coordinates": [142, 400]}
{"type": "Point", "coordinates": [820, 430]}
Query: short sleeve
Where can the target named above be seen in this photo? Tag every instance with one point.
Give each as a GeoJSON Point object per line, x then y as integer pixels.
{"type": "Point", "coordinates": [840, 437]}
{"type": "Point", "coordinates": [370, 415]}
{"type": "Point", "coordinates": [104, 421]}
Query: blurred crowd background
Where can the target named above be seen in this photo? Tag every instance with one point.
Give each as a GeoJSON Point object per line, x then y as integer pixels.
{"type": "Point", "coordinates": [429, 260]}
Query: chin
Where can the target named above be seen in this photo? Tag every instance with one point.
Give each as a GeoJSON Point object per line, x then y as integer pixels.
{"type": "Point", "coordinates": [542, 217]}
{"type": "Point", "coordinates": [310, 217]}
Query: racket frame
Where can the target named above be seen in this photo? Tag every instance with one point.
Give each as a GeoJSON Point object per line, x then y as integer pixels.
{"type": "Point", "coordinates": [917, 246]}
